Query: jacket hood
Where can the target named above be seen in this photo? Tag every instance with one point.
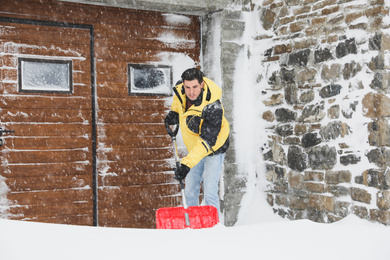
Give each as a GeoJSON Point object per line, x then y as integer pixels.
{"type": "Point", "coordinates": [211, 91]}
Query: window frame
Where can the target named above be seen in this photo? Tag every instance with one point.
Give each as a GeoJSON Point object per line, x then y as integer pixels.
{"type": "Point", "coordinates": [148, 66]}
{"type": "Point", "coordinates": [45, 60]}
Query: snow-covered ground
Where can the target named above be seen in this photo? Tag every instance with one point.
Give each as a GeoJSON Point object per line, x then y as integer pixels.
{"type": "Point", "coordinates": [350, 238]}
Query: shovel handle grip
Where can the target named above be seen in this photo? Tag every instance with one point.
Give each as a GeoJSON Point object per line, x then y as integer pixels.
{"type": "Point", "coordinates": [171, 133]}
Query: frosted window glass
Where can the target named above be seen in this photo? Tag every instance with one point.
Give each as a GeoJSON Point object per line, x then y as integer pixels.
{"type": "Point", "coordinates": [150, 80]}
{"type": "Point", "coordinates": [45, 76]}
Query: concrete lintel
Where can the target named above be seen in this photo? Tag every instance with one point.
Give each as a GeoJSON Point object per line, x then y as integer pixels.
{"type": "Point", "coordinates": [194, 7]}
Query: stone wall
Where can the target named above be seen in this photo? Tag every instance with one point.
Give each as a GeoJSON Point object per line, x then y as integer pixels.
{"type": "Point", "coordinates": [326, 92]}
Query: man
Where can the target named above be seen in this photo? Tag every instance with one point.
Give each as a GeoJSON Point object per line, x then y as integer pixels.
{"type": "Point", "coordinates": [197, 108]}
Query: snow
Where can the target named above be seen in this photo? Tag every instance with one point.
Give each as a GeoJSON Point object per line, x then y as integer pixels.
{"type": "Point", "coordinates": [177, 20]}
{"type": "Point", "coordinates": [248, 125]}
{"type": "Point", "coordinates": [3, 198]}
{"type": "Point", "coordinates": [173, 41]}
{"type": "Point", "coordinates": [351, 238]}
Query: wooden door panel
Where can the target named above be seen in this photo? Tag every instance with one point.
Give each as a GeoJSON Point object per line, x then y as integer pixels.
{"type": "Point", "coordinates": [47, 162]}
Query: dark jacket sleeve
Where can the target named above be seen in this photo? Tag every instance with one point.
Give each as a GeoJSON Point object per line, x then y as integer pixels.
{"type": "Point", "coordinates": [172, 118]}
{"type": "Point", "coordinates": [212, 121]}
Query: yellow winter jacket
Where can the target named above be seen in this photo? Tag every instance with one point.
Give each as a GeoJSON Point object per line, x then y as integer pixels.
{"type": "Point", "coordinates": [204, 127]}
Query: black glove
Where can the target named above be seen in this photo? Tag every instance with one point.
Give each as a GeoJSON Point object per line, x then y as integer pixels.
{"type": "Point", "coordinates": [172, 118]}
{"type": "Point", "coordinates": [181, 171]}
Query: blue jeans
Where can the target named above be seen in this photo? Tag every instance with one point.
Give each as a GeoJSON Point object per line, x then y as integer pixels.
{"type": "Point", "coordinates": [208, 170]}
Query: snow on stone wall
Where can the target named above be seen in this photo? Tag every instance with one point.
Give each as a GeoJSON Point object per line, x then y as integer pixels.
{"type": "Point", "coordinates": [324, 83]}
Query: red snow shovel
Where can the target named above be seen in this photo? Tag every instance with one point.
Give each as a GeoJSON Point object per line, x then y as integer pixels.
{"type": "Point", "coordinates": [195, 217]}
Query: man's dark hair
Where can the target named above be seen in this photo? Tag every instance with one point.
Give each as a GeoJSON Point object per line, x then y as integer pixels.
{"type": "Point", "coordinates": [191, 74]}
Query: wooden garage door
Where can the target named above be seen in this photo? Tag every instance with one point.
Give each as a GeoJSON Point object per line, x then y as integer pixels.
{"type": "Point", "coordinates": [62, 167]}
{"type": "Point", "coordinates": [46, 165]}
{"type": "Point", "coordinates": [134, 174]}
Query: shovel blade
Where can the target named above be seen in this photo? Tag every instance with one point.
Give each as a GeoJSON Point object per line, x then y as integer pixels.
{"type": "Point", "coordinates": [199, 216]}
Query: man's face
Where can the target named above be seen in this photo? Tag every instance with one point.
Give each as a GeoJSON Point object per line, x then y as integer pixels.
{"type": "Point", "coordinates": [192, 88]}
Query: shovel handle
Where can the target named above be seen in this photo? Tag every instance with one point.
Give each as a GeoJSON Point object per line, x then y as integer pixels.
{"type": "Point", "coordinates": [181, 184]}
{"type": "Point", "coordinates": [186, 216]}
{"type": "Point", "coordinates": [171, 133]}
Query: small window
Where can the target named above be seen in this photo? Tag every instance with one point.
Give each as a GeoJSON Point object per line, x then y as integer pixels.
{"type": "Point", "coordinates": [149, 80]}
{"type": "Point", "coordinates": [45, 76]}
